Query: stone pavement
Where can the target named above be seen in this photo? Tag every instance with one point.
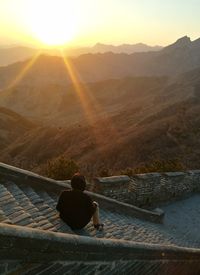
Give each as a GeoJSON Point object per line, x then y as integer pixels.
{"type": "Point", "coordinates": [20, 204]}
{"type": "Point", "coordinates": [183, 219]}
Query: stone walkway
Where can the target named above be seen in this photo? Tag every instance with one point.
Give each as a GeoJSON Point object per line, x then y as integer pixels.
{"type": "Point", "coordinates": [182, 218]}
{"type": "Point", "coordinates": [22, 205]}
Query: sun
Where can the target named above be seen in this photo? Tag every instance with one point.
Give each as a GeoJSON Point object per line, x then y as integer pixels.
{"type": "Point", "coordinates": [53, 22]}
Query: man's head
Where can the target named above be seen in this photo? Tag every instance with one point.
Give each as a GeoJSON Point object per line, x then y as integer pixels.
{"type": "Point", "coordinates": [78, 182]}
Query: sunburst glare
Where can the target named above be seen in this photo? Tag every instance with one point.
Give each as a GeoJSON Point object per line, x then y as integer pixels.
{"type": "Point", "coordinates": [53, 22]}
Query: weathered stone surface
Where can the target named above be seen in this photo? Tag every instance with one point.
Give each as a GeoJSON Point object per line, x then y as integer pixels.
{"type": "Point", "coordinates": [49, 245]}
{"type": "Point", "coordinates": [136, 267]}
{"type": "Point", "coordinates": [152, 188]}
{"type": "Point", "coordinates": [117, 224]}
{"type": "Point", "coordinates": [113, 179]}
{"type": "Point", "coordinates": [25, 201]}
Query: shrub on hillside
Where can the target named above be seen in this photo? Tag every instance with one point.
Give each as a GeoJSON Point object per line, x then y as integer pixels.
{"type": "Point", "coordinates": [104, 172]}
{"type": "Point", "coordinates": [172, 165]}
{"type": "Point", "coordinates": [61, 168]}
{"type": "Point", "coordinates": [128, 171]}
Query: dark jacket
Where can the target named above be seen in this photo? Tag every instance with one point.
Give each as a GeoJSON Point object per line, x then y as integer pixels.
{"type": "Point", "coordinates": [76, 208]}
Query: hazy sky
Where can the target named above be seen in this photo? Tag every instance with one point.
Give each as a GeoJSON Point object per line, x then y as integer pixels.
{"type": "Point", "coordinates": [85, 22]}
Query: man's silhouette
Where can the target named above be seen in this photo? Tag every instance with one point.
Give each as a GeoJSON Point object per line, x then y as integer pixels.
{"type": "Point", "coordinates": [77, 208]}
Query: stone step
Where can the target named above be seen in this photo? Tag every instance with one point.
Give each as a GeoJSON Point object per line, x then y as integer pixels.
{"type": "Point", "coordinates": [117, 226]}
{"type": "Point", "coordinates": [26, 209]}
{"type": "Point", "coordinates": [47, 208]}
{"type": "Point", "coordinates": [55, 219]}
{"type": "Point", "coordinates": [13, 213]}
{"type": "Point", "coordinates": [23, 205]}
{"type": "Point", "coordinates": [41, 208]}
{"type": "Point", "coordinates": [40, 205]}
{"type": "Point", "coordinates": [3, 218]}
{"type": "Point", "coordinates": [48, 198]}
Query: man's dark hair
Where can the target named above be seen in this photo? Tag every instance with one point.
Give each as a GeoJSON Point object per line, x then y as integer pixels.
{"type": "Point", "coordinates": [78, 182]}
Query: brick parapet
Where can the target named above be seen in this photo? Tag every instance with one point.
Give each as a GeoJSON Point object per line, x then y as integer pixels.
{"type": "Point", "coordinates": [151, 188]}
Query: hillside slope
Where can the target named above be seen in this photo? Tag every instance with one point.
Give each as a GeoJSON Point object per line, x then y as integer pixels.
{"type": "Point", "coordinates": [12, 127]}
{"type": "Point", "coordinates": [173, 133]}
{"type": "Point", "coordinates": [140, 120]}
{"type": "Point", "coordinates": [64, 105]}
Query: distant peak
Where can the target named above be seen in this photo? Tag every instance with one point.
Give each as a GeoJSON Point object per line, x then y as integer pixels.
{"type": "Point", "coordinates": [99, 45]}
{"type": "Point", "coordinates": [181, 42]}
{"type": "Point", "coordinates": [185, 40]}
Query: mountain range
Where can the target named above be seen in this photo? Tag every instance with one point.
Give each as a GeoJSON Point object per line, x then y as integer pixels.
{"type": "Point", "coordinates": [180, 57]}
{"type": "Point", "coordinates": [126, 120]}
{"type": "Point", "coordinates": [11, 54]}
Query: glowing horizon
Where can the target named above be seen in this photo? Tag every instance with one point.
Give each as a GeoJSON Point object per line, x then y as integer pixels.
{"type": "Point", "coordinates": [84, 23]}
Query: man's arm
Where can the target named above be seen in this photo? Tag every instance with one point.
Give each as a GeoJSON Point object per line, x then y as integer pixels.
{"type": "Point", "coordinates": [90, 205]}
{"type": "Point", "coordinates": [60, 202]}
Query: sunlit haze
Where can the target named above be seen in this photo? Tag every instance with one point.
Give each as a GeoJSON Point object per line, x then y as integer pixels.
{"type": "Point", "coordinates": [78, 22]}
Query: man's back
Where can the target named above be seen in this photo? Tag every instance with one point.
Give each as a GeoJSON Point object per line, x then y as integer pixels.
{"type": "Point", "coordinates": [76, 208]}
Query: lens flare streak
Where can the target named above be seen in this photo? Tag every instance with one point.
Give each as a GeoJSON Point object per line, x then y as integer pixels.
{"type": "Point", "coordinates": [90, 107]}
{"type": "Point", "coordinates": [23, 72]}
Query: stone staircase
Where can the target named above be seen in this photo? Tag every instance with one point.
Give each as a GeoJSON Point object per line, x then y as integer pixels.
{"type": "Point", "coordinates": [28, 217]}
{"type": "Point", "coordinates": [23, 206]}
{"type": "Point", "coordinates": [20, 204]}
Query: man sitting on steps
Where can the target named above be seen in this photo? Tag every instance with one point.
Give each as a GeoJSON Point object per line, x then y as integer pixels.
{"type": "Point", "coordinates": [77, 208]}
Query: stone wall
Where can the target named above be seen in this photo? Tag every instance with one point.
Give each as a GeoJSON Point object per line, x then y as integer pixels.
{"type": "Point", "coordinates": [20, 176]}
{"type": "Point", "coordinates": [149, 189]}
{"type": "Point", "coordinates": [116, 187]}
{"type": "Point", "coordinates": [35, 245]}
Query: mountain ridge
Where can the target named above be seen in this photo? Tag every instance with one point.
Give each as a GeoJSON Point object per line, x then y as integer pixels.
{"type": "Point", "coordinates": [9, 55]}
{"type": "Point", "coordinates": [171, 60]}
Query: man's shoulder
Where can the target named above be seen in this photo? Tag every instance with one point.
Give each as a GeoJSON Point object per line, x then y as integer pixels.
{"type": "Point", "coordinates": [65, 193]}
{"type": "Point", "coordinates": [87, 196]}
{"type": "Point", "coordinates": [75, 193]}
{"type": "Point", "coordinates": [81, 194]}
